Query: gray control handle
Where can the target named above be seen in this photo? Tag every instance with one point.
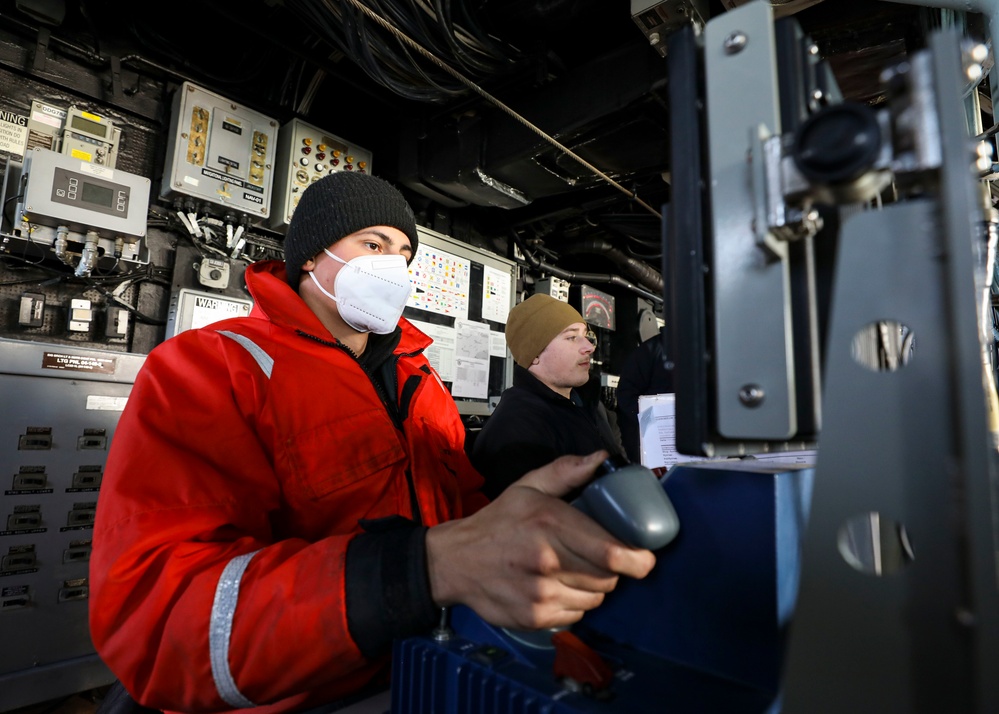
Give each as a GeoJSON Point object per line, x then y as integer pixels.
{"type": "Point", "coordinates": [630, 503]}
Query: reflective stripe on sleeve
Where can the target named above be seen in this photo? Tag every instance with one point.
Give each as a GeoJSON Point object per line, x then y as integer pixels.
{"type": "Point", "coordinates": [220, 630]}
{"type": "Point", "coordinates": [264, 360]}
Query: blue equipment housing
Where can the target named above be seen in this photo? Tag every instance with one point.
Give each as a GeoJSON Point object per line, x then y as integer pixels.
{"type": "Point", "coordinates": [704, 631]}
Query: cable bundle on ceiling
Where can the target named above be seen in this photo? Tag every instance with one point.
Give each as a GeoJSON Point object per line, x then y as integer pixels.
{"type": "Point", "coordinates": [448, 30]}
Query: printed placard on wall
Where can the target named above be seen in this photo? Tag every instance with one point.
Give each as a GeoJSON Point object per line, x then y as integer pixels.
{"type": "Point", "coordinates": [440, 282]}
{"type": "Point", "coordinates": [495, 294]}
{"type": "Point", "coordinates": [13, 133]}
{"type": "Point", "coordinates": [471, 360]}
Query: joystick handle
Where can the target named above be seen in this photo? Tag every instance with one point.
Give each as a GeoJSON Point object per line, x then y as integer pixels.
{"type": "Point", "coordinates": [630, 503]}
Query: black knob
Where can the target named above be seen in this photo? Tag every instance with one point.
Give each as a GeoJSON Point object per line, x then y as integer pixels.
{"type": "Point", "coordinates": [838, 144]}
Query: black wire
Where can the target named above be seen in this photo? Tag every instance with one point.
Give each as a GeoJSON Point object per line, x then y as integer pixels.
{"type": "Point", "coordinates": [414, 26]}
{"type": "Point", "coordinates": [18, 197]}
{"type": "Point", "coordinates": [25, 281]}
{"type": "Point", "coordinates": [402, 71]}
{"type": "Point", "coordinates": [316, 17]}
{"type": "Point", "coordinates": [443, 9]}
{"type": "Point", "coordinates": [501, 54]}
{"type": "Point", "coordinates": [139, 316]}
{"type": "Point", "coordinates": [43, 253]}
{"type": "Point", "coordinates": [363, 44]}
{"type": "Point", "coordinates": [367, 45]}
{"type": "Point", "coordinates": [446, 91]}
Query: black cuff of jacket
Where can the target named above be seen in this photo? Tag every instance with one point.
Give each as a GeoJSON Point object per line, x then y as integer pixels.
{"type": "Point", "coordinates": [387, 586]}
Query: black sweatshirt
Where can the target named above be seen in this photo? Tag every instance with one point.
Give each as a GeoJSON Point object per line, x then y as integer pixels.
{"type": "Point", "coordinates": [533, 425]}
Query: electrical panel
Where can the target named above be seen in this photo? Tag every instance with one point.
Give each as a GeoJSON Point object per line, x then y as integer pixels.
{"type": "Point", "coordinates": [90, 137]}
{"type": "Point", "coordinates": [306, 154]}
{"type": "Point", "coordinates": [76, 132]}
{"type": "Point", "coordinates": [87, 214]}
{"type": "Point", "coordinates": [219, 152]}
{"type": "Point", "coordinates": [556, 287]}
{"type": "Point", "coordinates": [53, 454]}
{"type": "Point", "coordinates": [62, 190]}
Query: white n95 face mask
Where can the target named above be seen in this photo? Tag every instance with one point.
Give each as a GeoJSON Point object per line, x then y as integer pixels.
{"type": "Point", "coordinates": [371, 291]}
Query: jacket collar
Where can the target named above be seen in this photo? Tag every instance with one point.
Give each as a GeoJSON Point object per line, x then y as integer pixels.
{"type": "Point", "coordinates": [524, 379]}
{"type": "Point", "coordinates": [275, 300]}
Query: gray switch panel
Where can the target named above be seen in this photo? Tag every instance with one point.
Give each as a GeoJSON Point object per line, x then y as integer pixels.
{"type": "Point", "coordinates": [53, 450]}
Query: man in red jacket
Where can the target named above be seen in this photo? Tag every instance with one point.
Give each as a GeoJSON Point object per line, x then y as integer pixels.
{"type": "Point", "coordinates": [288, 492]}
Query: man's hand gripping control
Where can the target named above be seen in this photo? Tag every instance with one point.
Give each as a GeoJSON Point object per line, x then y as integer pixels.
{"type": "Point", "coordinates": [529, 560]}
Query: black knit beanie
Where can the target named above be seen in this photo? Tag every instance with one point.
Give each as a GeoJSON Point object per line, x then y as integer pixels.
{"type": "Point", "coordinates": [341, 203]}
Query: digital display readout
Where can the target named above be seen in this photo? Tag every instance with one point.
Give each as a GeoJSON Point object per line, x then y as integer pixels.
{"type": "Point", "coordinates": [90, 127]}
{"type": "Point", "coordinates": [90, 194]}
{"type": "Point", "coordinates": [97, 195]}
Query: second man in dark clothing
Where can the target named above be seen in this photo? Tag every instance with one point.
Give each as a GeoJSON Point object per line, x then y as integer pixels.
{"type": "Point", "coordinates": [541, 416]}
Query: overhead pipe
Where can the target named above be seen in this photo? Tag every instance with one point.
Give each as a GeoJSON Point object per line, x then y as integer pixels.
{"type": "Point", "coordinates": [640, 271]}
{"type": "Point", "coordinates": [571, 276]}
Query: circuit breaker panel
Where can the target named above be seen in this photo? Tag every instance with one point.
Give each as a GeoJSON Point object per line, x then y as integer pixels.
{"type": "Point", "coordinates": [219, 152]}
{"type": "Point", "coordinates": [306, 154]}
{"type": "Point", "coordinates": [53, 451]}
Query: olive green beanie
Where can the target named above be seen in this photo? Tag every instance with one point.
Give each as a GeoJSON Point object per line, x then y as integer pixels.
{"type": "Point", "coordinates": [534, 323]}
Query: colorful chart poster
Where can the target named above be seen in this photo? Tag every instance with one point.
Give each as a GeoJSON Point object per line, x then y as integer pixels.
{"type": "Point", "coordinates": [440, 282]}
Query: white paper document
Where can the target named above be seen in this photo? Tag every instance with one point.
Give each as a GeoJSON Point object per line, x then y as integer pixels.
{"type": "Point", "coordinates": [497, 344]}
{"type": "Point", "coordinates": [495, 294]}
{"type": "Point", "coordinates": [441, 353]}
{"type": "Point", "coordinates": [471, 360]}
{"type": "Point", "coordinates": [657, 431]}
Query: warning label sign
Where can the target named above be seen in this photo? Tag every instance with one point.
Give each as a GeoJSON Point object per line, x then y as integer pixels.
{"type": "Point", "coordinates": [13, 133]}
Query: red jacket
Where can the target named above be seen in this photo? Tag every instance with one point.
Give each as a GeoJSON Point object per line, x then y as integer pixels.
{"type": "Point", "coordinates": [228, 565]}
